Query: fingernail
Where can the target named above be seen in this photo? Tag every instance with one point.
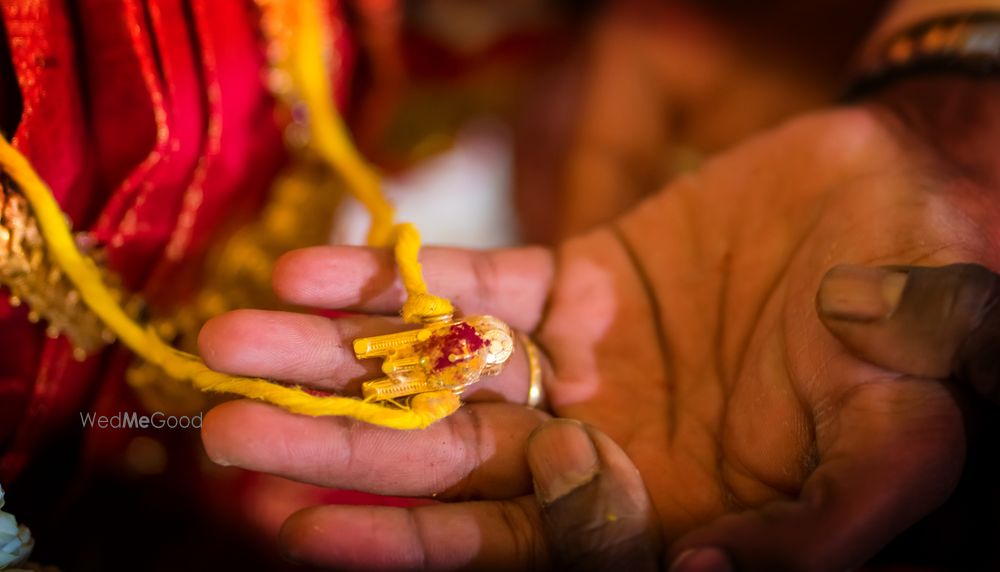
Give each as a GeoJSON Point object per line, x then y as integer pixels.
{"type": "Point", "coordinates": [860, 293]}
{"type": "Point", "coordinates": [702, 560]}
{"type": "Point", "coordinates": [562, 458]}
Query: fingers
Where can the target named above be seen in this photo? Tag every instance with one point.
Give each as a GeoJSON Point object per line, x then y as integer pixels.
{"type": "Point", "coordinates": [595, 515]}
{"type": "Point", "coordinates": [317, 351]}
{"type": "Point", "coordinates": [595, 510]}
{"type": "Point", "coordinates": [297, 348]}
{"type": "Point", "coordinates": [512, 285]}
{"type": "Point", "coordinates": [892, 453]}
{"type": "Point", "coordinates": [501, 535]}
{"type": "Point", "coordinates": [478, 452]}
{"type": "Point", "coordinates": [311, 350]}
{"type": "Point", "coordinates": [927, 322]}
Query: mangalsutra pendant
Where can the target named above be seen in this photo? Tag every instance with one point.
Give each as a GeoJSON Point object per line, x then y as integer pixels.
{"type": "Point", "coordinates": [444, 355]}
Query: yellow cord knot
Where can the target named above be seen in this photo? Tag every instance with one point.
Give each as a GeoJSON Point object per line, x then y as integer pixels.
{"type": "Point", "coordinates": [420, 308]}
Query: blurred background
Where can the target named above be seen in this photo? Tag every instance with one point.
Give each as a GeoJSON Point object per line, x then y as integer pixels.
{"type": "Point", "coordinates": [496, 122]}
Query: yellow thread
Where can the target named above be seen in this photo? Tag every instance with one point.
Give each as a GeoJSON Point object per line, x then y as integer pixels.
{"type": "Point", "coordinates": [331, 141]}
{"type": "Point", "coordinates": [419, 305]}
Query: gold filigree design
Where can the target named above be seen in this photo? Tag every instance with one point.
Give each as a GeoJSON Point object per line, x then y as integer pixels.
{"type": "Point", "coordinates": [442, 355]}
{"type": "Point", "coordinates": [32, 279]}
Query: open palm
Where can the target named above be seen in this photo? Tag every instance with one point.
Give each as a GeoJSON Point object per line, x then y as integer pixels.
{"type": "Point", "coordinates": [686, 331]}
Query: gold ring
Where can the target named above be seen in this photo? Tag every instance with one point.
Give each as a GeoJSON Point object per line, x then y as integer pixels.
{"type": "Point", "coordinates": [536, 392]}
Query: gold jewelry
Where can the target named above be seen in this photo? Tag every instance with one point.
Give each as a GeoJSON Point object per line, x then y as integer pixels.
{"type": "Point", "coordinates": [536, 391]}
{"type": "Point", "coordinates": [444, 355]}
{"type": "Point", "coordinates": [35, 280]}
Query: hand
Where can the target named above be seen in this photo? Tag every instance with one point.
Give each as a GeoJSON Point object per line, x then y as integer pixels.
{"type": "Point", "coordinates": [946, 324]}
{"type": "Point", "coordinates": [687, 332]}
{"type": "Point", "coordinates": [911, 331]}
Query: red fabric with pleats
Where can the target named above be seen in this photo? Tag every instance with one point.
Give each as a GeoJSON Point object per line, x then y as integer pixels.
{"type": "Point", "coordinates": [150, 121]}
{"type": "Point", "coordinates": [42, 385]}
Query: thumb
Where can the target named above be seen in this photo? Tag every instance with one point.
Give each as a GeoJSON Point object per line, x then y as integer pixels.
{"type": "Point", "coordinates": [926, 322]}
{"type": "Point", "coordinates": [595, 510]}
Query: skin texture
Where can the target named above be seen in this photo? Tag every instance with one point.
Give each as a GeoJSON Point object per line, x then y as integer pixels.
{"type": "Point", "coordinates": [686, 332]}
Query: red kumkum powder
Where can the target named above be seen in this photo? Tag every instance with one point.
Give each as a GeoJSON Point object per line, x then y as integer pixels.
{"type": "Point", "coordinates": [461, 339]}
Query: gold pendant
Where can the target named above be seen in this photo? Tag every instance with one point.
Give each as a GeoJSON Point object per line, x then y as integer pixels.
{"type": "Point", "coordinates": [443, 355]}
